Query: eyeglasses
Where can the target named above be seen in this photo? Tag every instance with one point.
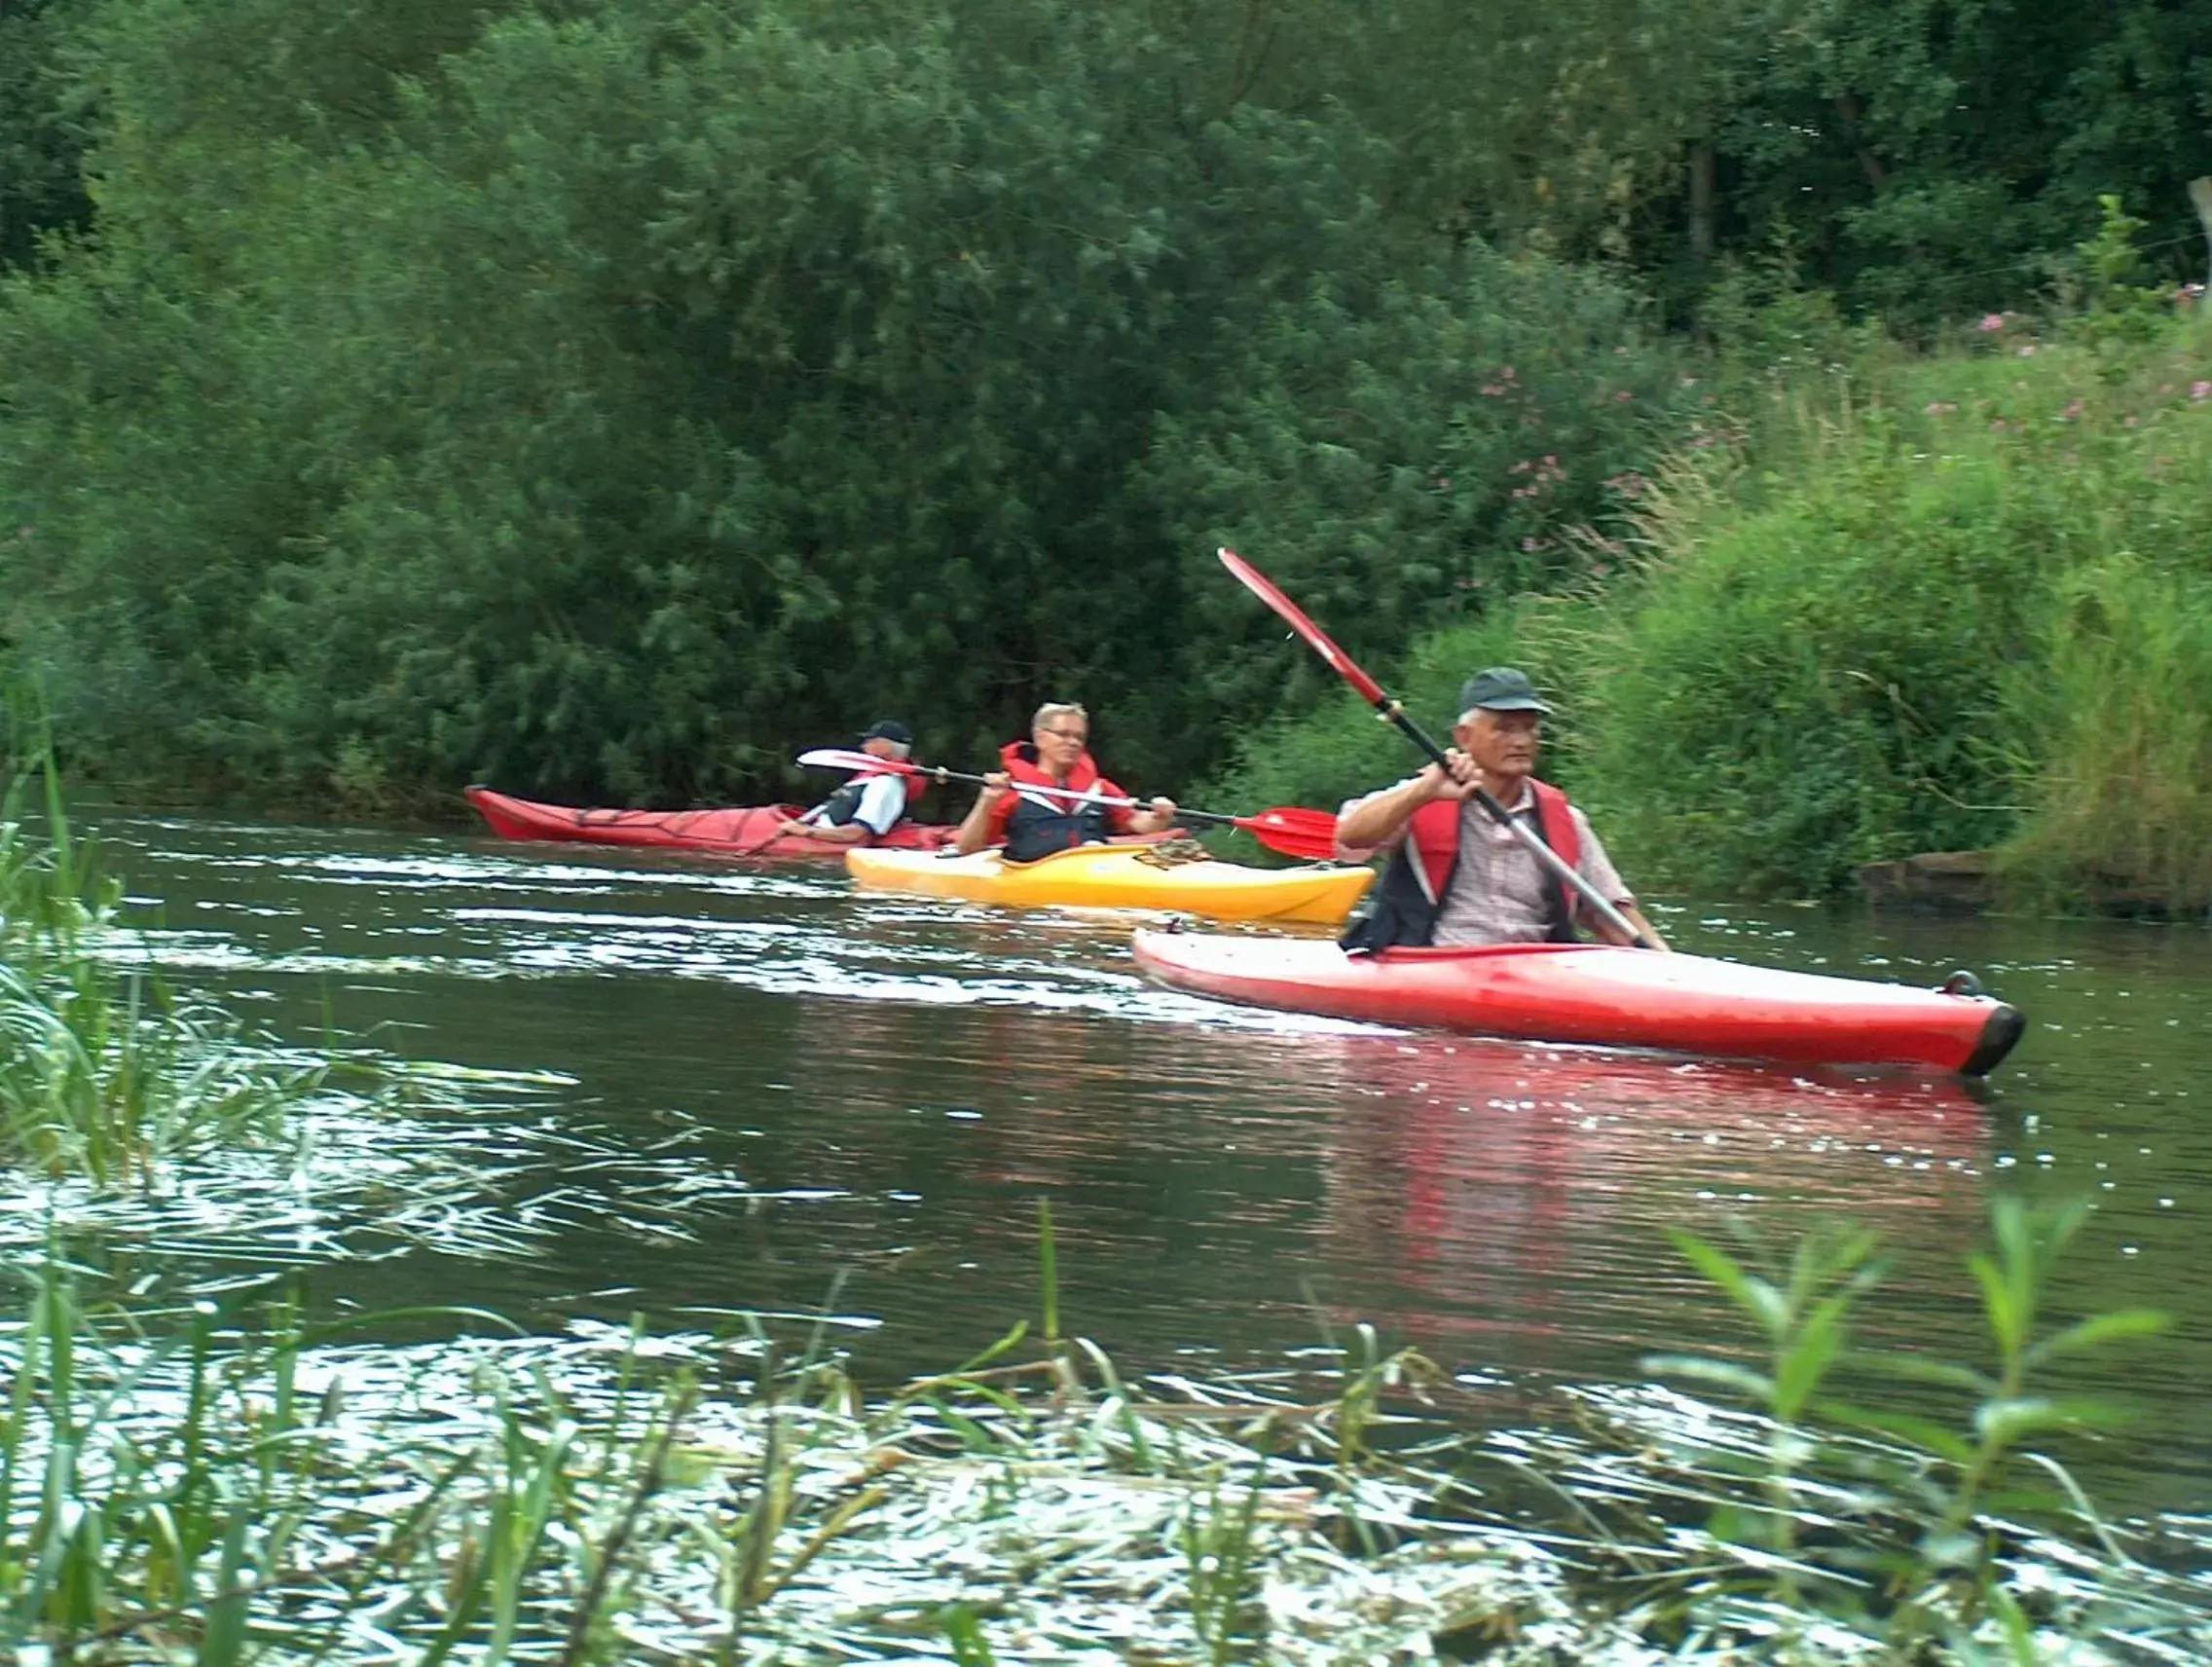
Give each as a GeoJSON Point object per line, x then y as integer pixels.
{"type": "Point", "coordinates": [1066, 735]}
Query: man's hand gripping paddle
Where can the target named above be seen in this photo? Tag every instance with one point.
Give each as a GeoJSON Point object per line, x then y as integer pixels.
{"type": "Point", "coordinates": [1307, 835]}
{"type": "Point", "coordinates": [1372, 692]}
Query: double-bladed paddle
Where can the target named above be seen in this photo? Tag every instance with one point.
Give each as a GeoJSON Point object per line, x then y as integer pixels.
{"type": "Point", "coordinates": [1372, 692]}
{"type": "Point", "coordinates": [1308, 835]}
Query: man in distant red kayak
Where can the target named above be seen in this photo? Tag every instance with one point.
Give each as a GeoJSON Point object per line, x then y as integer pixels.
{"type": "Point", "coordinates": [1034, 824]}
{"type": "Point", "coordinates": [867, 806]}
{"type": "Point", "coordinates": [1457, 878]}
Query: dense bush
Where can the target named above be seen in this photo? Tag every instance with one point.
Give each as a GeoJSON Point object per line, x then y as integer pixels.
{"type": "Point", "coordinates": [1927, 604]}
{"type": "Point", "coordinates": [661, 389]}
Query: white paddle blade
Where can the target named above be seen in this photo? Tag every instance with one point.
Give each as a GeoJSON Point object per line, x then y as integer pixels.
{"type": "Point", "coordinates": [844, 759]}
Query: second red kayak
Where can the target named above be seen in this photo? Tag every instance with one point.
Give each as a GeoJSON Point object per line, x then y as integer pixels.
{"type": "Point", "coordinates": [745, 830]}
{"type": "Point", "coordinates": [1595, 993]}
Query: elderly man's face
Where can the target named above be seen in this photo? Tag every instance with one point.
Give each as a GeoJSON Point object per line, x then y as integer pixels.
{"type": "Point", "coordinates": [1503, 743]}
{"type": "Point", "coordinates": [1061, 742]}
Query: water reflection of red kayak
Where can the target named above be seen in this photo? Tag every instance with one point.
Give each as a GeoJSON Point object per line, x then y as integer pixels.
{"type": "Point", "coordinates": [1590, 1090]}
{"type": "Point", "coordinates": [1520, 1192]}
{"type": "Point", "coordinates": [745, 830]}
{"type": "Point", "coordinates": [1595, 993]}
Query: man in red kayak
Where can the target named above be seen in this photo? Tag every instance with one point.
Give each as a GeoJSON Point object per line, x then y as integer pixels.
{"type": "Point", "coordinates": [1457, 878]}
{"type": "Point", "coordinates": [867, 806]}
{"type": "Point", "coordinates": [1035, 825]}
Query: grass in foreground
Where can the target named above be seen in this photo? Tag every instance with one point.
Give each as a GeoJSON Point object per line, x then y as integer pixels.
{"type": "Point", "coordinates": [238, 1483]}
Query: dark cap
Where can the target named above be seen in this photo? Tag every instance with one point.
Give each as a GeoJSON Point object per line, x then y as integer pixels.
{"type": "Point", "coordinates": [887, 729]}
{"type": "Point", "coordinates": [1499, 688]}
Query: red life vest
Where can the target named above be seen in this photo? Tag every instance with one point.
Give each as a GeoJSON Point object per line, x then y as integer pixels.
{"type": "Point", "coordinates": [1036, 826]}
{"type": "Point", "coordinates": [1434, 837]}
{"type": "Point", "coordinates": [1403, 907]}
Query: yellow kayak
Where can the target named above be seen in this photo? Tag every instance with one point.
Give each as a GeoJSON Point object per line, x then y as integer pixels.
{"type": "Point", "coordinates": [1121, 876]}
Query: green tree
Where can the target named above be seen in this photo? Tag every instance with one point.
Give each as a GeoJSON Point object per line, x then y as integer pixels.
{"type": "Point", "coordinates": [42, 131]}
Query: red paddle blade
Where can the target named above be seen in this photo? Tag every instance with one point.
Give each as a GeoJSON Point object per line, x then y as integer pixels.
{"type": "Point", "coordinates": [1311, 835]}
{"type": "Point", "coordinates": [1294, 617]}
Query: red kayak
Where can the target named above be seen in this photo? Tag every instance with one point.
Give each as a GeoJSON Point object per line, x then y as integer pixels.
{"type": "Point", "coordinates": [1596, 993]}
{"type": "Point", "coordinates": [747, 830]}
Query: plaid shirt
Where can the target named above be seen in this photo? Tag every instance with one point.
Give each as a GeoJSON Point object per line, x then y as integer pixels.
{"type": "Point", "coordinates": [1497, 890]}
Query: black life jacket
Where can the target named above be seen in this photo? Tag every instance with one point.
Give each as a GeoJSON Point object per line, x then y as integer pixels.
{"type": "Point", "coordinates": [842, 807]}
{"type": "Point", "coordinates": [1404, 904]}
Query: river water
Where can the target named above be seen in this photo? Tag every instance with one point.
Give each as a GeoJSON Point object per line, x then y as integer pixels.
{"type": "Point", "coordinates": [775, 1096]}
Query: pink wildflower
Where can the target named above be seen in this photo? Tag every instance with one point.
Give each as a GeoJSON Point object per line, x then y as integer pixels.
{"type": "Point", "coordinates": [1991, 322]}
{"type": "Point", "coordinates": [2201, 391]}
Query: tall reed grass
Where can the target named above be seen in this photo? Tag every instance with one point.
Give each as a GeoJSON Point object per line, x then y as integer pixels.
{"type": "Point", "coordinates": [2119, 794]}
{"type": "Point", "coordinates": [105, 1073]}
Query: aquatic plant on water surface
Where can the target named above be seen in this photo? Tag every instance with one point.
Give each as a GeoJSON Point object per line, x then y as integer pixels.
{"type": "Point", "coordinates": [238, 1481]}
{"type": "Point", "coordinates": [126, 1103]}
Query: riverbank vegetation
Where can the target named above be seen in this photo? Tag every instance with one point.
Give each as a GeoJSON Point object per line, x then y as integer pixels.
{"type": "Point", "coordinates": [604, 399]}
{"type": "Point", "coordinates": [1920, 600]}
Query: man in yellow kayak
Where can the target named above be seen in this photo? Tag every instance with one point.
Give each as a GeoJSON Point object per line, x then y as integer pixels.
{"type": "Point", "coordinates": [1455, 876]}
{"type": "Point", "coordinates": [867, 806]}
{"type": "Point", "coordinates": [1033, 824]}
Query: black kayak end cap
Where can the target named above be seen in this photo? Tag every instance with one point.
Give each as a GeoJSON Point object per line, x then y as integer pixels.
{"type": "Point", "coordinates": [1999, 1034]}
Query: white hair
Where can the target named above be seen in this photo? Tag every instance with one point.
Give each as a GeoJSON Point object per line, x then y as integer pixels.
{"type": "Point", "coordinates": [1473, 712]}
